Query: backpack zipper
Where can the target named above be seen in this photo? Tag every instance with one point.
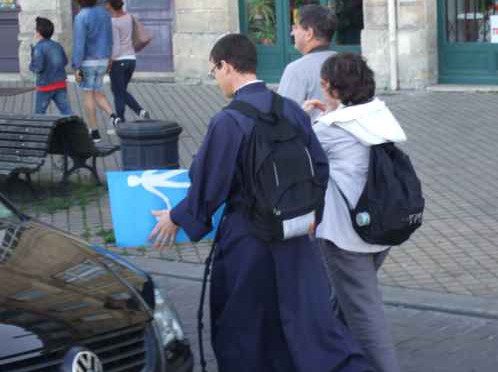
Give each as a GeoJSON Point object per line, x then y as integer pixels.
{"type": "Point", "coordinates": [277, 181]}
{"type": "Point", "coordinates": [311, 162]}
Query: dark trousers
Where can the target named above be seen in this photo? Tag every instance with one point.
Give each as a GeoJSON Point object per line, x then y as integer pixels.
{"type": "Point", "coordinates": [354, 279]}
{"type": "Point", "coordinates": [121, 73]}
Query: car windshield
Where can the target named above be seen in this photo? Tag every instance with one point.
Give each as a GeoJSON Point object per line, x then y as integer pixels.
{"type": "Point", "coordinates": [5, 212]}
{"type": "Point", "coordinates": [9, 231]}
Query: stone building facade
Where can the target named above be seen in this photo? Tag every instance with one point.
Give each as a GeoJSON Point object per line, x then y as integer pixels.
{"type": "Point", "coordinates": [416, 47]}
{"type": "Point", "coordinates": [200, 22]}
{"type": "Point", "coordinates": [58, 11]}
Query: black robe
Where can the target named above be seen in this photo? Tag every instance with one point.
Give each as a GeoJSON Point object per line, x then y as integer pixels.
{"type": "Point", "coordinates": [270, 308]}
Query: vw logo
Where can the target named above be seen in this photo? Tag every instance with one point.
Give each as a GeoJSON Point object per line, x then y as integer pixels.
{"type": "Point", "coordinates": [82, 360]}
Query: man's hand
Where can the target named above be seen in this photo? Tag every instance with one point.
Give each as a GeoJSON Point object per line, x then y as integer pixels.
{"type": "Point", "coordinates": [164, 233]}
{"type": "Point", "coordinates": [312, 231]}
{"type": "Point", "coordinates": [312, 104]}
{"type": "Point", "coordinates": [78, 76]}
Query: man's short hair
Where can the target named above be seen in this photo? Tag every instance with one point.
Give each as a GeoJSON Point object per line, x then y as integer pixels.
{"type": "Point", "coordinates": [238, 51]}
{"type": "Point", "coordinates": [320, 19]}
{"type": "Point", "coordinates": [87, 3]}
{"type": "Point", "coordinates": [44, 27]}
{"type": "Point", "coordinates": [116, 4]}
{"type": "Point", "coordinates": [350, 76]}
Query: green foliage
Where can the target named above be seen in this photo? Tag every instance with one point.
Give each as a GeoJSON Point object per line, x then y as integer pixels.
{"type": "Point", "coordinates": [261, 10]}
{"type": "Point", "coordinates": [261, 17]}
{"type": "Point", "coordinates": [80, 195]}
{"type": "Point", "coordinates": [107, 235]}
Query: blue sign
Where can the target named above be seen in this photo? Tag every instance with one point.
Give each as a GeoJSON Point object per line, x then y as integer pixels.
{"type": "Point", "coordinates": [135, 194]}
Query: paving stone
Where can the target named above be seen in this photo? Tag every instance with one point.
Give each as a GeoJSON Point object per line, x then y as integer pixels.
{"type": "Point", "coordinates": [452, 142]}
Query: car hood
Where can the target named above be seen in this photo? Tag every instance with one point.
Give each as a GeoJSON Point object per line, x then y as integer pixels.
{"type": "Point", "coordinates": [55, 289]}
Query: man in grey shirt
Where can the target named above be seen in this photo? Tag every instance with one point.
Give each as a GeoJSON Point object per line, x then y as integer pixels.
{"type": "Point", "coordinates": [312, 34]}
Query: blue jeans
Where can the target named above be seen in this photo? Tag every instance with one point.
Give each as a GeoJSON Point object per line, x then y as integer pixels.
{"type": "Point", "coordinates": [60, 99]}
{"type": "Point", "coordinates": [121, 73]}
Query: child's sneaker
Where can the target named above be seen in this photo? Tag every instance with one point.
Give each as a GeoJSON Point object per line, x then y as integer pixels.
{"type": "Point", "coordinates": [144, 115]}
{"type": "Point", "coordinates": [95, 136]}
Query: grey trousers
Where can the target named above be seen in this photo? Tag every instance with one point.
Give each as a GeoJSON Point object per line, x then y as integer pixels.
{"type": "Point", "coordinates": [354, 282]}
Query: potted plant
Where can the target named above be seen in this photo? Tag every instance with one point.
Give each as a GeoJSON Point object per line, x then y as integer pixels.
{"type": "Point", "coordinates": [261, 11]}
{"type": "Point", "coordinates": [263, 34]}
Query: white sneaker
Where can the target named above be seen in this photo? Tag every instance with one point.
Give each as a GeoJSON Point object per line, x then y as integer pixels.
{"type": "Point", "coordinates": [144, 115]}
{"type": "Point", "coordinates": [114, 120]}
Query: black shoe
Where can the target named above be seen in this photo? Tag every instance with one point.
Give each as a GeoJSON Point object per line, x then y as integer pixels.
{"type": "Point", "coordinates": [95, 135]}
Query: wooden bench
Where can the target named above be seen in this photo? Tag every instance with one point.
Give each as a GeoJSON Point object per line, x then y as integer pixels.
{"type": "Point", "coordinates": [24, 144]}
{"type": "Point", "coordinates": [71, 140]}
{"type": "Point", "coordinates": [25, 141]}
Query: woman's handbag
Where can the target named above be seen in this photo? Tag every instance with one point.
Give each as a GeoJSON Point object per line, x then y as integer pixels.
{"type": "Point", "coordinates": [140, 36]}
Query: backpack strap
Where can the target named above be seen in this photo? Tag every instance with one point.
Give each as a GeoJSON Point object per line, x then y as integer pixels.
{"type": "Point", "coordinates": [244, 108]}
{"type": "Point", "coordinates": [350, 208]}
{"type": "Point", "coordinates": [277, 105]}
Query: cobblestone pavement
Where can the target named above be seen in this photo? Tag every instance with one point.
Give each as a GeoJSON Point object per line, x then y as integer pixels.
{"type": "Point", "coordinates": [452, 141]}
{"type": "Point", "coordinates": [426, 341]}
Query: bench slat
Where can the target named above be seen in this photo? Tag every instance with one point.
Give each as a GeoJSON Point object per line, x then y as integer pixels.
{"type": "Point", "coordinates": [28, 123]}
{"type": "Point", "coordinates": [23, 152]}
{"type": "Point", "coordinates": [23, 129]}
{"type": "Point", "coordinates": [24, 145]}
{"type": "Point", "coordinates": [23, 137]}
{"type": "Point", "coordinates": [20, 159]}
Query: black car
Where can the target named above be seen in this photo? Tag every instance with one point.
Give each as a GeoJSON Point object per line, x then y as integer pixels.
{"type": "Point", "coordinates": [69, 306]}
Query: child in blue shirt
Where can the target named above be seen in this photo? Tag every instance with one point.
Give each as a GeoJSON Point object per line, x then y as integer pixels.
{"type": "Point", "coordinates": [48, 61]}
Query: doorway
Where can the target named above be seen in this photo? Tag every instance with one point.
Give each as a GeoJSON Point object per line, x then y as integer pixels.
{"type": "Point", "coordinates": [9, 42]}
{"type": "Point", "coordinates": [269, 22]}
{"type": "Point", "coordinates": [157, 16]}
{"type": "Point", "coordinates": [467, 53]}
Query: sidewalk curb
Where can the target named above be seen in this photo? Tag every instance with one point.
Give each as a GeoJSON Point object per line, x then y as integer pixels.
{"type": "Point", "coordinates": [480, 307]}
{"type": "Point", "coordinates": [462, 88]}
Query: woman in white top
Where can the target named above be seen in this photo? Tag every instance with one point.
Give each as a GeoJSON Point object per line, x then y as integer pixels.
{"type": "Point", "coordinates": [123, 61]}
{"type": "Point", "coordinates": [351, 122]}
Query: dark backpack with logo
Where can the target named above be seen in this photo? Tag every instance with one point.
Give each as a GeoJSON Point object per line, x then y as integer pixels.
{"type": "Point", "coordinates": [391, 205]}
{"type": "Point", "coordinates": [281, 190]}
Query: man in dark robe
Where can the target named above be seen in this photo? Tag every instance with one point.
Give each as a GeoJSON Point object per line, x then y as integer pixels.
{"type": "Point", "coordinates": [269, 302]}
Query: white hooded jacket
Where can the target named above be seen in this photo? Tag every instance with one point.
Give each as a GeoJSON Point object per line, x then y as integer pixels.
{"type": "Point", "coordinates": [346, 135]}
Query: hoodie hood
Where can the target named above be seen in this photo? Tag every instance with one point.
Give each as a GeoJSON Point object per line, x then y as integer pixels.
{"type": "Point", "coordinates": [372, 123]}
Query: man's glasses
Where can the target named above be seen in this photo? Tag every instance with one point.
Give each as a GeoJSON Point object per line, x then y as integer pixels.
{"type": "Point", "coordinates": [211, 73]}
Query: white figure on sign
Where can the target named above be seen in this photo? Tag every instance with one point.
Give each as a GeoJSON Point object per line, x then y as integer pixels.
{"type": "Point", "coordinates": [151, 179]}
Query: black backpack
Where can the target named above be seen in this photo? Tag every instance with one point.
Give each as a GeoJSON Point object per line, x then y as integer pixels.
{"type": "Point", "coordinates": [391, 205]}
{"type": "Point", "coordinates": [281, 190]}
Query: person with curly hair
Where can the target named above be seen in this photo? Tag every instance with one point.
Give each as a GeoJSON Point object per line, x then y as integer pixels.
{"type": "Point", "coordinates": [352, 121]}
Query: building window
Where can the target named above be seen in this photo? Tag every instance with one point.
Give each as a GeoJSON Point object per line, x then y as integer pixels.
{"type": "Point", "coordinates": [349, 15]}
{"type": "Point", "coordinates": [262, 21]}
{"type": "Point", "coordinates": [469, 20]}
{"type": "Point", "coordinates": [7, 4]}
